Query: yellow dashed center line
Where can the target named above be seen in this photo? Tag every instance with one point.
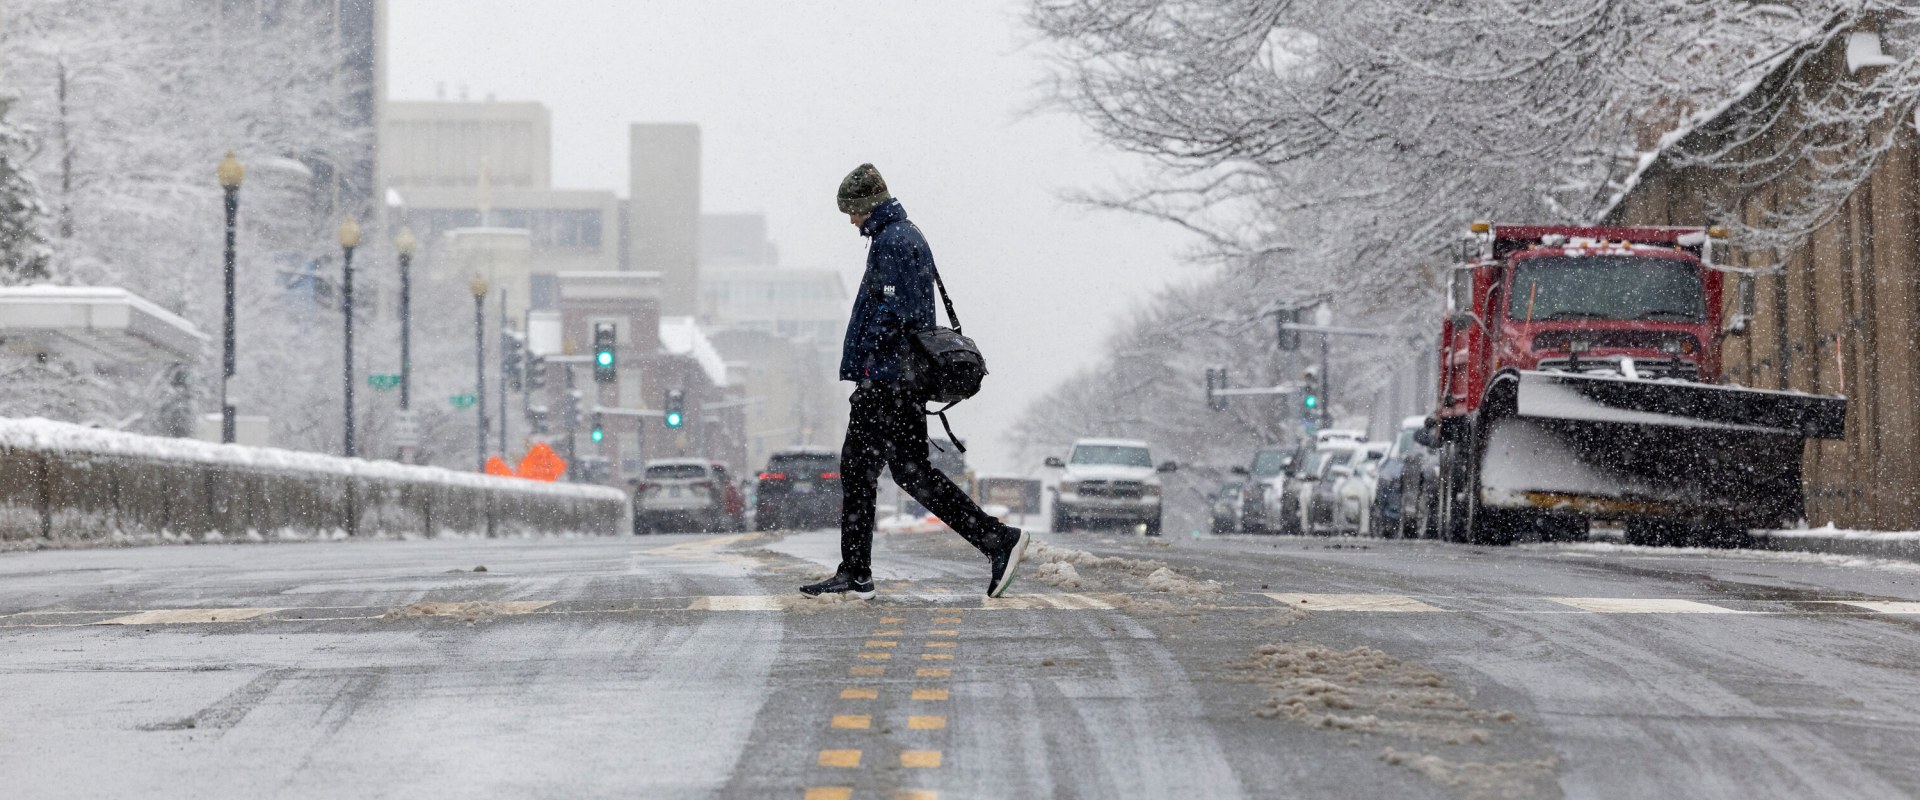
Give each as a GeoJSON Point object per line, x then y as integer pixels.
{"type": "Point", "coordinates": [940, 644]}
{"type": "Point", "coordinates": [920, 758]}
{"type": "Point", "coordinates": [877, 656]}
{"type": "Point", "coordinates": [936, 656]}
{"type": "Point", "coordinates": [880, 643]}
{"type": "Point", "coordinates": [935, 672]}
{"type": "Point", "coordinates": [829, 793]}
{"type": "Point", "coordinates": [937, 633]}
{"type": "Point", "coordinates": [929, 694]}
{"type": "Point", "coordinates": [888, 632]}
{"type": "Point", "coordinates": [866, 672]}
{"type": "Point", "coordinates": [926, 723]}
{"type": "Point", "coordinates": [853, 721]}
{"type": "Point", "coordinates": [859, 694]}
{"type": "Point", "coordinates": [945, 620]}
{"type": "Point", "coordinates": [840, 758]}
{"type": "Point", "coordinates": [916, 794]}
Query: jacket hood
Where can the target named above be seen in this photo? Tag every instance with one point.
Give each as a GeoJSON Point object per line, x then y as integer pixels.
{"type": "Point", "coordinates": [883, 215]}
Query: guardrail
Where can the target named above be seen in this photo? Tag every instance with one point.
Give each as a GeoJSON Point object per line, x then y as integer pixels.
{"type": "Point", "coordinates": [68, 485]}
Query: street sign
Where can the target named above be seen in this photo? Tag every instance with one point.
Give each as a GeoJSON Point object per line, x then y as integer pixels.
{"type": "Point", "coordinates": [384, 381]}
{"type": "Point", "coordinates": [406, 431]}
{"type": "Point", "coordinates": [463, 400]}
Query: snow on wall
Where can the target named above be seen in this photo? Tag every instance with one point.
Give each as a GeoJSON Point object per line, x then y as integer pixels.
{"type": "Point", "coordinates": [60, 437]}
{"type": "Point", "coordinates": [681, 336]}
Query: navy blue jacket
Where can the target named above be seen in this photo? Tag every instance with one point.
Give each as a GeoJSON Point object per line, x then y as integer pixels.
{"type": "Point", "coordinates": [895, 298]}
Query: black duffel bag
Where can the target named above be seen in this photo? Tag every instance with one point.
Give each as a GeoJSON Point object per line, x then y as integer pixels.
{"type": "Point", "coordinates": [948, 367]}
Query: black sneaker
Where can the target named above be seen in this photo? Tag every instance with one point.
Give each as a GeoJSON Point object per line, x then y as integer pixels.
{"type": "Point", "coordinates": [1005, 559]}
{"type": "Point", "coordinates": [841, 583]}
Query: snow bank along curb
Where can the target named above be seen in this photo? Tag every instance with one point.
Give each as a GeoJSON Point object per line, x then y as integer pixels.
{"type": "Point", "coordinates": [68, 485]}
{"type": "Point", "coordinates": [1901, 545]}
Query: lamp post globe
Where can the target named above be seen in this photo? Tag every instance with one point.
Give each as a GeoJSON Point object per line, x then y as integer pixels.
{"type": "Point", "coordinates": [230, 173]}
{"type": "Point", "coordinates": [349, 235]}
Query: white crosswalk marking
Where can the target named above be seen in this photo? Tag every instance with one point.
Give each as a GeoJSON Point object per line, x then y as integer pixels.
{"type": "Point", "coordinates": [180, 616]}
{"type": "Point", "coordinates": [1352, 602]}
{"type": "Point", "coordinates": [1635, 605]}
{"type": "Point", "coordinates": [1075, 602]}
{"type": "Point", "coordinates": [1885, 606]}
{"type": "Point", "coordinates": [739, 602]}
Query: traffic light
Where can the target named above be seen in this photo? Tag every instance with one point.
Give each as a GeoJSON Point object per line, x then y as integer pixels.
{"type": "Point", "coordinates": [1216, 380]}
{"type": "Point", "coordinates": [1310, 394]}
{"type": "Point", "coordinates": [1289, 339]}
{"type": "Point", "coordinates": [512, 347]}
{"type": "Point", "coordinates": [676, 408]}
{"type": "Point", "coordinates": [599, 433]}
{"type": "Point", "coordinates": [604, 368]}
{"type": "Point", "coordinates": [536, 372]}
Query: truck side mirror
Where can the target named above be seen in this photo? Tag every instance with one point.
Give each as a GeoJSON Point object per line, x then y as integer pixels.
{"type": "Point", "coordinates": [1055, 462]}
{"type": "Point", "coordinates": [1744, 290]}
{"type": "Point", "coordinates": [1168, 467]}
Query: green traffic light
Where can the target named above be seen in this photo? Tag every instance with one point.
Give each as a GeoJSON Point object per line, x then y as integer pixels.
{"type": "Point", "coordinates": [673, 420]}
{"type": "Point", "coordinates": [605, 358]}
{"type": "Point", "coordinates": [1313, 402]}
{"type": "Point", "coordinates": [599, 434]}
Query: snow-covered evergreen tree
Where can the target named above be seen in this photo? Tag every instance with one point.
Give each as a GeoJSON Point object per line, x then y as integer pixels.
{"type": "Point", "coordinates": [24, 254]}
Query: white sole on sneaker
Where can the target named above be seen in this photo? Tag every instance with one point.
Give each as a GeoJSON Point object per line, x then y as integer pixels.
{"type": "Point", "coordinates": [1013, 563]}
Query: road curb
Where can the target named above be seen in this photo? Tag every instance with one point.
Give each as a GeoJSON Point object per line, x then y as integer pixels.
{"type": "Point", "coordinates": [1903, 545]}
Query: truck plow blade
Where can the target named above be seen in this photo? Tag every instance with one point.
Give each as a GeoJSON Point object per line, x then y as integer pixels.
{"type": "Point", "coordinates": [1614, 447]}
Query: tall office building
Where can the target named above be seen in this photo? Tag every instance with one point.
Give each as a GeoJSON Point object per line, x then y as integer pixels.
{"type": "Point", "coordinates": [664, 212]}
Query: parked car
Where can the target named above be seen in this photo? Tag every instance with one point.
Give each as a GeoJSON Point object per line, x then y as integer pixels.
{"type": "Point", "coordinates": [1226, 507]}
{"type": "Point", "coordinates": [1107, 482]}
{"type": "Point", "coordinates": [687, 494]}
{"type": "Point", "coordinates": [799, 490]}
{"type": "Point", "coordinates": [1319, 494]}
{"type": "Point", "coordinates": [1392, 501]}
{"type": "Point", "coordinates": [1354, 488]}
{"type": "Point", "coordinates": [1265, 481]}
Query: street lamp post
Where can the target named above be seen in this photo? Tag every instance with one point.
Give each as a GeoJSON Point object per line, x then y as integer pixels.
{"type": "Point", "coordinates": [479, 287]}
{"type": "Point", "coordinates": [404, 244]}
{"type": "Point", "coordinates": [230, 173]}
{"type": "Point", "coordinates": [406, 433]}
{"type": "Point", "coordinates": [349, 239]}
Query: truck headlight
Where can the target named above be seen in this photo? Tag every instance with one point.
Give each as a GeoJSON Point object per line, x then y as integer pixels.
{"type": "Point", "coordinates": [1150, 490]}
{"type": "Point", "coordinates": [1069, 486]}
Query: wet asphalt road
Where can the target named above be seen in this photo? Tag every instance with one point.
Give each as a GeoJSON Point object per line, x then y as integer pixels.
{"type": "Point", "coordinates": [679, 666]}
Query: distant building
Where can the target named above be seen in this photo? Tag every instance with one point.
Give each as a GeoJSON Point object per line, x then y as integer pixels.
{"type": "Point", "coordinates": [444, 145]}
{"type": "Point", "coordinates": [664, 215]}
{"type": "Point", "coordinates": [486, 166]}
{"type": "Point", "coordinates": [735, 240]}
{"type": "Point", "coordinates": [795, 303]}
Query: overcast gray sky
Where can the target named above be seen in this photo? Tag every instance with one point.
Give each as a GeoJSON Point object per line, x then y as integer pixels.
{"type": "Point", "coordinates": [789, 97]}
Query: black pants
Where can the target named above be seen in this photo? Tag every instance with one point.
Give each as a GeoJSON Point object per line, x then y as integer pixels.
{"type": "Point", "coordinates": [887, 428]}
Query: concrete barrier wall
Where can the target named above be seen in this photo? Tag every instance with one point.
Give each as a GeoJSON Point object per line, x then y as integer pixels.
{"type": "Point", "coordinates": [68, 485]}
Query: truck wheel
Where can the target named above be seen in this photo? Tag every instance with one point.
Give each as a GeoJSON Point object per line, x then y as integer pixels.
{"type": "Point", "coordinates": [1451, 517]}
{"type": "Point", "coordinates": [1652, 532]}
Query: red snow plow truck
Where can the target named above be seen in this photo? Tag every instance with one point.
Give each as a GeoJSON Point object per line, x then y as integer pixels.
{"type": "Point", "coordinates": [1580, 380]}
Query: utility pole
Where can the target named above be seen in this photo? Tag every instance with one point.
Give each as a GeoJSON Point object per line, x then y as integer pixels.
{"type": "Point", "coordinates": [479, 289]}
{"type": "Point", "coordinates": [503, 375]}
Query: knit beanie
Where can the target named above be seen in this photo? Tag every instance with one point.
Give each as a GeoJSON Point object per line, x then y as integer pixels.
{"type": "Point", "coordinates": [862, 190]}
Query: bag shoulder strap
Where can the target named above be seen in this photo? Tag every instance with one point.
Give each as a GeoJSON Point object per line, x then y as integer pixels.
{"type": "Point", "coordinates": [942, 414]}
{"type": "Point", "coordinates": [945, 300]}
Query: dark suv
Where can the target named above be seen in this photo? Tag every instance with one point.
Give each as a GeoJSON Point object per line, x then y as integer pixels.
{"type": "Point", "coordinates": [800, 490]}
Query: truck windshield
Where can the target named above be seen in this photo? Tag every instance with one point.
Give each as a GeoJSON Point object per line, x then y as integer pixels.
{"type": "Point", "coordinates": [1268, 463]}
{"type": "Point", "coordinates": [1110, 454]}
{"type": "Point", "coordinates": [1607, 287]}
